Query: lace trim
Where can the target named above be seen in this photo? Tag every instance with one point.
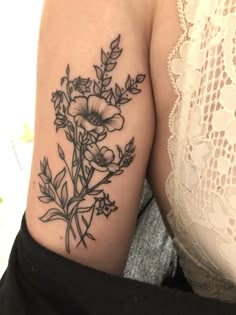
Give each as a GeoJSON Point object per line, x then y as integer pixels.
{"type": "Point", "coordinates": [171, 56]}
{"type": "Point", "coordinates": [197, 232]}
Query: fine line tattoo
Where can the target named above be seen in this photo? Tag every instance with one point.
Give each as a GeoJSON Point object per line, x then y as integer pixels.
{"type": "Point", "coordinates": [86, 111]}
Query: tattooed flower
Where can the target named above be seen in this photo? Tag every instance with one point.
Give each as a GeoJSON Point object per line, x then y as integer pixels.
{"type": "Point", "coordinates": [106, 206]}
{"type": "Point", "coordinates": [82, 85]}
{"type": "Point", "coordinates": [57, 99]}
{"type": "Point", "coordinates": [101, 159]}
{"type": "Point", "coordinates": [94, 114]}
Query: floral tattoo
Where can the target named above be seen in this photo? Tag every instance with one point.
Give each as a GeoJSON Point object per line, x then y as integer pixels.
{"type": "Point", "coordinates": [86, 111]}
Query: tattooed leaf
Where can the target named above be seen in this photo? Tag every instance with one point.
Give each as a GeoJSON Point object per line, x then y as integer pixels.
{"type": "Point", "coordinates": [106, 94]}
{"type": "Point", "coordinates": [117, 90]}
{"type": "Point", "coordinates": [42, 189]}
{"type": "Point", "coordinates": [108, 98]}
{"type": "Point", "coordinates": [73, 202]}
{"type": "Point", "coordinates": [129, 146]}
{"type": "Point", "coordinates": [96, 88]}
{"type": "Point", "coordinates": [140, 78]}
{"type": "Point", "coordinates": [75, 162]}
{"type": "Point", "coordinates": [133, 150]}
{"type": "Point", "coordinates": [45, 162]}
{"type": "Point", "coordinates": [48, 173]}
{"type": "Point", "coordinates": [68, 136]}
{"type": "Point", "coordinates": [71, 127]}
{"type": "Point", "coordinates": [93, 137]}
{"type": "Point", "coordinates": [98, 72]}
{"type": "Point", "coordinates": [63, 80]}
{"type": "Point", "coordinates": [135, 90]}
{"type": "Point", "coordinates": [116, 54]}
{"type": "Point", "coordinates": [52, 214]}
{"type": "Point", "coordinates": [83, 210]}
{"type": "Point", "coordinates": [90, 236]}
{"type": "Point", "coordinates": [106, 82]}
{"type": "Point", "coordinates": [124, 100]}
{"type": "Point", "coordinates": [60, 152]}
{"type": "Point", "coordinates": [111, 66]}
{"type": "Point", "coordinates": [64, 194]}
{"type": "Point", "coordinates": [113, 100]}
{"type": "Point", "coordinates": [107, 182]}
{"type": "Point", "coordinates": [58, 179]}
{"type": "Point", "coordinates": [45, 199]}
{"type": "Point", "coordinates": [68, 70]}
{"type": "Point", "coordinates": [83, 181]}
{"type": "Point", "coordinates": [41, 167]}
{"type": "Point", "coordinates": [85, 221]}
{"type": "Point", "coordinates": [44, 178]}
{"type": "Point", "coordinates": [95, 192]}
{"type": "Point", "coordinates": [115, 43]}
{"type": "Point", "coordinates": [103, 57]}
{"type": "Point", "coordinates": [128, 83]}
{"type": "Point", "coordinates": [119, 152]}
{"type": "Point", "coordinates": [51, 193]}
{"type": "Point", "coordinates": [80, 138]}
{"type": "Point", "coordinates": [119, 172]}
{"type": "Point", "coordinates": [87, 169]}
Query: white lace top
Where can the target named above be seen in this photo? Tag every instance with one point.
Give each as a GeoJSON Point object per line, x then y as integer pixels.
{"type": "Point", "coordinates": [202, 184]}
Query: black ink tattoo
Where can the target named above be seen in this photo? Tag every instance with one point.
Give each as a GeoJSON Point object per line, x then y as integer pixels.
{"type": "Point", "coordinates": [87, 111]}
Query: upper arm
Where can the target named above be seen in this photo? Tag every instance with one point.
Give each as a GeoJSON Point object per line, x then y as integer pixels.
{"type": "Point", "coordinates": [94, 128]}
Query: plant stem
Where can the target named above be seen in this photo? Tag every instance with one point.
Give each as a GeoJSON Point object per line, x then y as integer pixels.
{"type": "Point", "coordinates": [79, 230]}
{"type": "Point", "coordinates": [87, 228]}
{"type": "Point", "coordinates": [104, 71]}
{"type": "Point", "coordinates": [67, 237]}
{"type": "Point", "coordinates": [90, 175]}
{"type": "Point", "coordinates": [126, 91]}
{"type": "Point", "coordinates": [82, 158]}
{"type": "Point", "coordinates": [68, 169]}
{"type": "Point", "coordinates": [74, 181]}
{"type": "Point", "coordinates": [59, 204]}
{"type": "Point", "coordinates": [98, 184]}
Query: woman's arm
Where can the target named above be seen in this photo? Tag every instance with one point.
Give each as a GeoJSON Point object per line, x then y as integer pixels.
{"type": "Point", "coordinates": [94, 129]}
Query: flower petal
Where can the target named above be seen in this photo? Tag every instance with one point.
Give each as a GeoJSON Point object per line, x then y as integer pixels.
{"type": "Point", "coordinates": [78, 106]}
{"type": "Point", "coordinates": [94, 150]}
{"type": "Point", "coordinates": [107, 212]}
{"type": "Point", "coordinates": [113, 208]}
{"type": "Point", "coordinates": [96, 104]}
{"type": "Point", "coordinates": [107, 154]}
{"type": "Point", "coordinates": [88, 155]}
{"type": "Point", "coordinates": [86, 124]}
{"type": "Point", "coordinates": [114, 123]}
{"type": "Point", "coordinates": [99, 129]}
{"type": "Point", "coordinates": [113, 167]}
{"type": "Point", "coordinates": [109, 112]}
{"type": "Point", "coordinates": [98, 167]}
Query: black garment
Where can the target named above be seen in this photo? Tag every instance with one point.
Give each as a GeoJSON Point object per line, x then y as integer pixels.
{"type": "Point", "coordinates": [40, 282]}
{"type": "Point", "coordinates": [178, 281]}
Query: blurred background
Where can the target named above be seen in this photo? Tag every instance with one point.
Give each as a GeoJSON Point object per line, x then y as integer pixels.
{"type": "Point", "coordinates": [19, 26]}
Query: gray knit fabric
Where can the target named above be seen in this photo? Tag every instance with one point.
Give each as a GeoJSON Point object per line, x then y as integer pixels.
{"type": "Point", "coordinates": [152, 256]}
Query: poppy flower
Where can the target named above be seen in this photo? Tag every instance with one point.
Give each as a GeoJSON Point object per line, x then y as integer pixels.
{"type": "Point", "coordinates": [94, 114]}
{"type": "Point", "coordinates": [101, 159]}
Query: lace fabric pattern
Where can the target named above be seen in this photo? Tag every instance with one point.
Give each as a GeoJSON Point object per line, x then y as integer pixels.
{"type": "Point", "coordinates": [201, 187]}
